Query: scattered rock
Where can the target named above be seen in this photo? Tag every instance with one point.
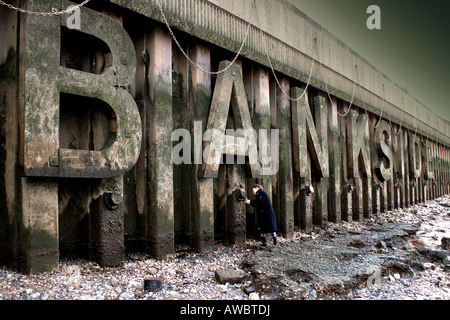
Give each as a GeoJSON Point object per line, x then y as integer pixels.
{"type": "Point", "coordinates": [433, 254]}
{"type": "Point", "coordinates": [429, 265]}
{"type": "Point", "coordinates": [400, 268]}
{"type": "Point", "coordinates": [380, 244]}
{"type": "Point", "coordinates": [445, 204]}
{"type": "Point", "coordinates": [410, 229]}
{"type": "Point", "coordinates": [253, 296]}
{"type": "Point", "coordinates": [152, 284]}
{"type": "Point", "coordinates": [447, 264]}
{"type": "Point", "coordinates": [126, 296]}
{"type": "Point", "coordinates": [229, 275]}
{"type": "Point", "coordinates": [445, 243]}
{"type": "Point", "coordinates": [357, 243]}
{"type": "Point", "coordinates": [221, 288]}
{"type": "Point", "coordinates": [249, 289]}
{"type": "Point", "coordinates": [417, 242]}
{"type": "Point", "coordinates": [404, 257]}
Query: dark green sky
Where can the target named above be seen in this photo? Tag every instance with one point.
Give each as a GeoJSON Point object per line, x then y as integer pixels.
{"type": "Point", "coordinates": [412, 48]}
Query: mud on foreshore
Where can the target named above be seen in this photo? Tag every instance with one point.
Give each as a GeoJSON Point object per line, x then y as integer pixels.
{"type": "Point", "coordinates": [361, 260]}
{"type": "Point", "coordinates": [393, 255]}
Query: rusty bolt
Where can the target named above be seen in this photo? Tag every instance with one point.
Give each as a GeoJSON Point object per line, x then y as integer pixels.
{"type": "Point", "coordinates": [113, 200]}
{"type": "Point", "coordinates": [350, 188]}
{"type": "Point", "coordinates": [309, 190]}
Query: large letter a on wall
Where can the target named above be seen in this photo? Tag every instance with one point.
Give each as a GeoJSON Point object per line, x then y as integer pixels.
{"type": "Point", "coordinates": [229, 90]}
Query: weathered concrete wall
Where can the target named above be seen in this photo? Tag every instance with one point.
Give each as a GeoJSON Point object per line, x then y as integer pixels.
{"type": "Point", "coordinates": [289, 37]}
{"type": "Point", "coordinates": [89, 123]}
{"type": "Point", "coordinates": [9, 192]}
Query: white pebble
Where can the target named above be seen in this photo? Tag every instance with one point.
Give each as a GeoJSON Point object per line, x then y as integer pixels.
{"type": "Point", "coordinates": [253, 296]}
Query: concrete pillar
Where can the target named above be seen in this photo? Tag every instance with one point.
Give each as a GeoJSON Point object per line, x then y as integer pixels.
{"type": "Point", "coordinates": [305, 206]}
{"type": "Point", "coordinates": [37, 207]}
{"type": "Point", "coordinates": [235, 219]}
{"type": "Point", "coordinates": [396, 166]}
{"type": "Point", "coordinates": [182, 119]}
{"type": "Point", "coordinates": [390, 189]}
{"type": "Point", "coordinates": [420, 182]}
{"type": "Point", "coordinates": [347, 183]}
{"type": "Point", "coordinates": [262, 114]}
{"type": "Point", "coordinates": [261, 118]}
{"type": "Point", "coordinates": [405, 149]}
{"type": "Point", "coordinates": [441, 167]}
{"type": "Point", "coordinates": [446, 178]}
{"type": "Point", "coordinates": [438, 169]}
{"type": "Point", "coordinates": [160, 218]}
{"type": "Point", "coordinates": [285, 175]}
{"type": "Point", "coordinates": [302, 163]}
{"type": "Point", "coordinates": [359, 154]}
{"type": "Point", "coordinates": [334, 196]}
{"type": "Point", "coordinates": [433, 169]}
{"type": "Point", "coordinates": [250, 79]}
{"type": "Point", "coordinates": [38, 249]}
{"type": "Point", "coordinates": [9, 125]}
{"type": "Point", "coordinates": [367, 183]}
{"type": "Point", "coordinates": [106, 227]}
{"type": "Point", "coordinates": [415, 166]}
{"type": "Point", "coordinates": [444, 170]}
{"type": "Point", "coordinates": [320, 182]}
{"type": "Point", "coordinates": [377, 186]}
{"type": "Point", "coordinates": [427, 168]}
{"type": "Point", "coordinates": [135, 184]}
{"type": "Point", "coordinates": [202, 189]}
{"type": "Point", "coordinates": [446, 165]}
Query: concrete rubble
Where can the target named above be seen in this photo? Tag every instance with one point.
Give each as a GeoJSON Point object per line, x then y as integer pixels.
{"type": "Point", "coordinates": [401, 254]}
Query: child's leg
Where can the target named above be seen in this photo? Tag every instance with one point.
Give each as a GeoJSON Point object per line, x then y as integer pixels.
{"type": "Point", "coordinates": [263, 240]}
{"type": "Point", "coordinates": [274, 236]}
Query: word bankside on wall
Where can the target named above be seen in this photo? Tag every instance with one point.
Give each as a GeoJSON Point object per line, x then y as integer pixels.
{"type": "Point", "coordinates": [309, 135]}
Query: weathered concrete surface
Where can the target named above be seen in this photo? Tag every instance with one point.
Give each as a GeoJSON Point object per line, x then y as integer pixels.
{"type": "Point", "coordinates": [202, 189]}
{"type": "Point", "coordinates": [67, 99]}
{"type": "Point", "coordinates": [230, 276]}
{"type": "Point", "coordinates": [38, 248]}
{"type": "Point", "coordinates": [160, 210]}
{"type": "Point", "coordinates": [43, 79]}
{"type": "Point", "coordinates": [293, 40]}
{"type": "Point", "coordinates": [9, 131]}
{"type": "Point", "coordinates": [106, 240]}
{"type": "Point", "coordinates": [338, 260]}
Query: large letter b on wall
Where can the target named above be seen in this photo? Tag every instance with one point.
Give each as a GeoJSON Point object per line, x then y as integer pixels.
{"type": "Point", "coordinates": [44, 79]}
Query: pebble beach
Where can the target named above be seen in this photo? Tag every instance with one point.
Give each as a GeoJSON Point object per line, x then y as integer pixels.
{"type": "Point", "coordinates": [191, 276]}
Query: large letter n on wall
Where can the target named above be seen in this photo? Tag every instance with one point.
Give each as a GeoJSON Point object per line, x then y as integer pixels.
{"type": "Point", "coordinates": [307, 136]}
{"type": "Point", "coordinates": [43, 81]}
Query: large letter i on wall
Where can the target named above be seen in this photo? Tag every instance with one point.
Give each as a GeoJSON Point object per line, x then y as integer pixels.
{"type": "Point", "coordinates": [43, 79]}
